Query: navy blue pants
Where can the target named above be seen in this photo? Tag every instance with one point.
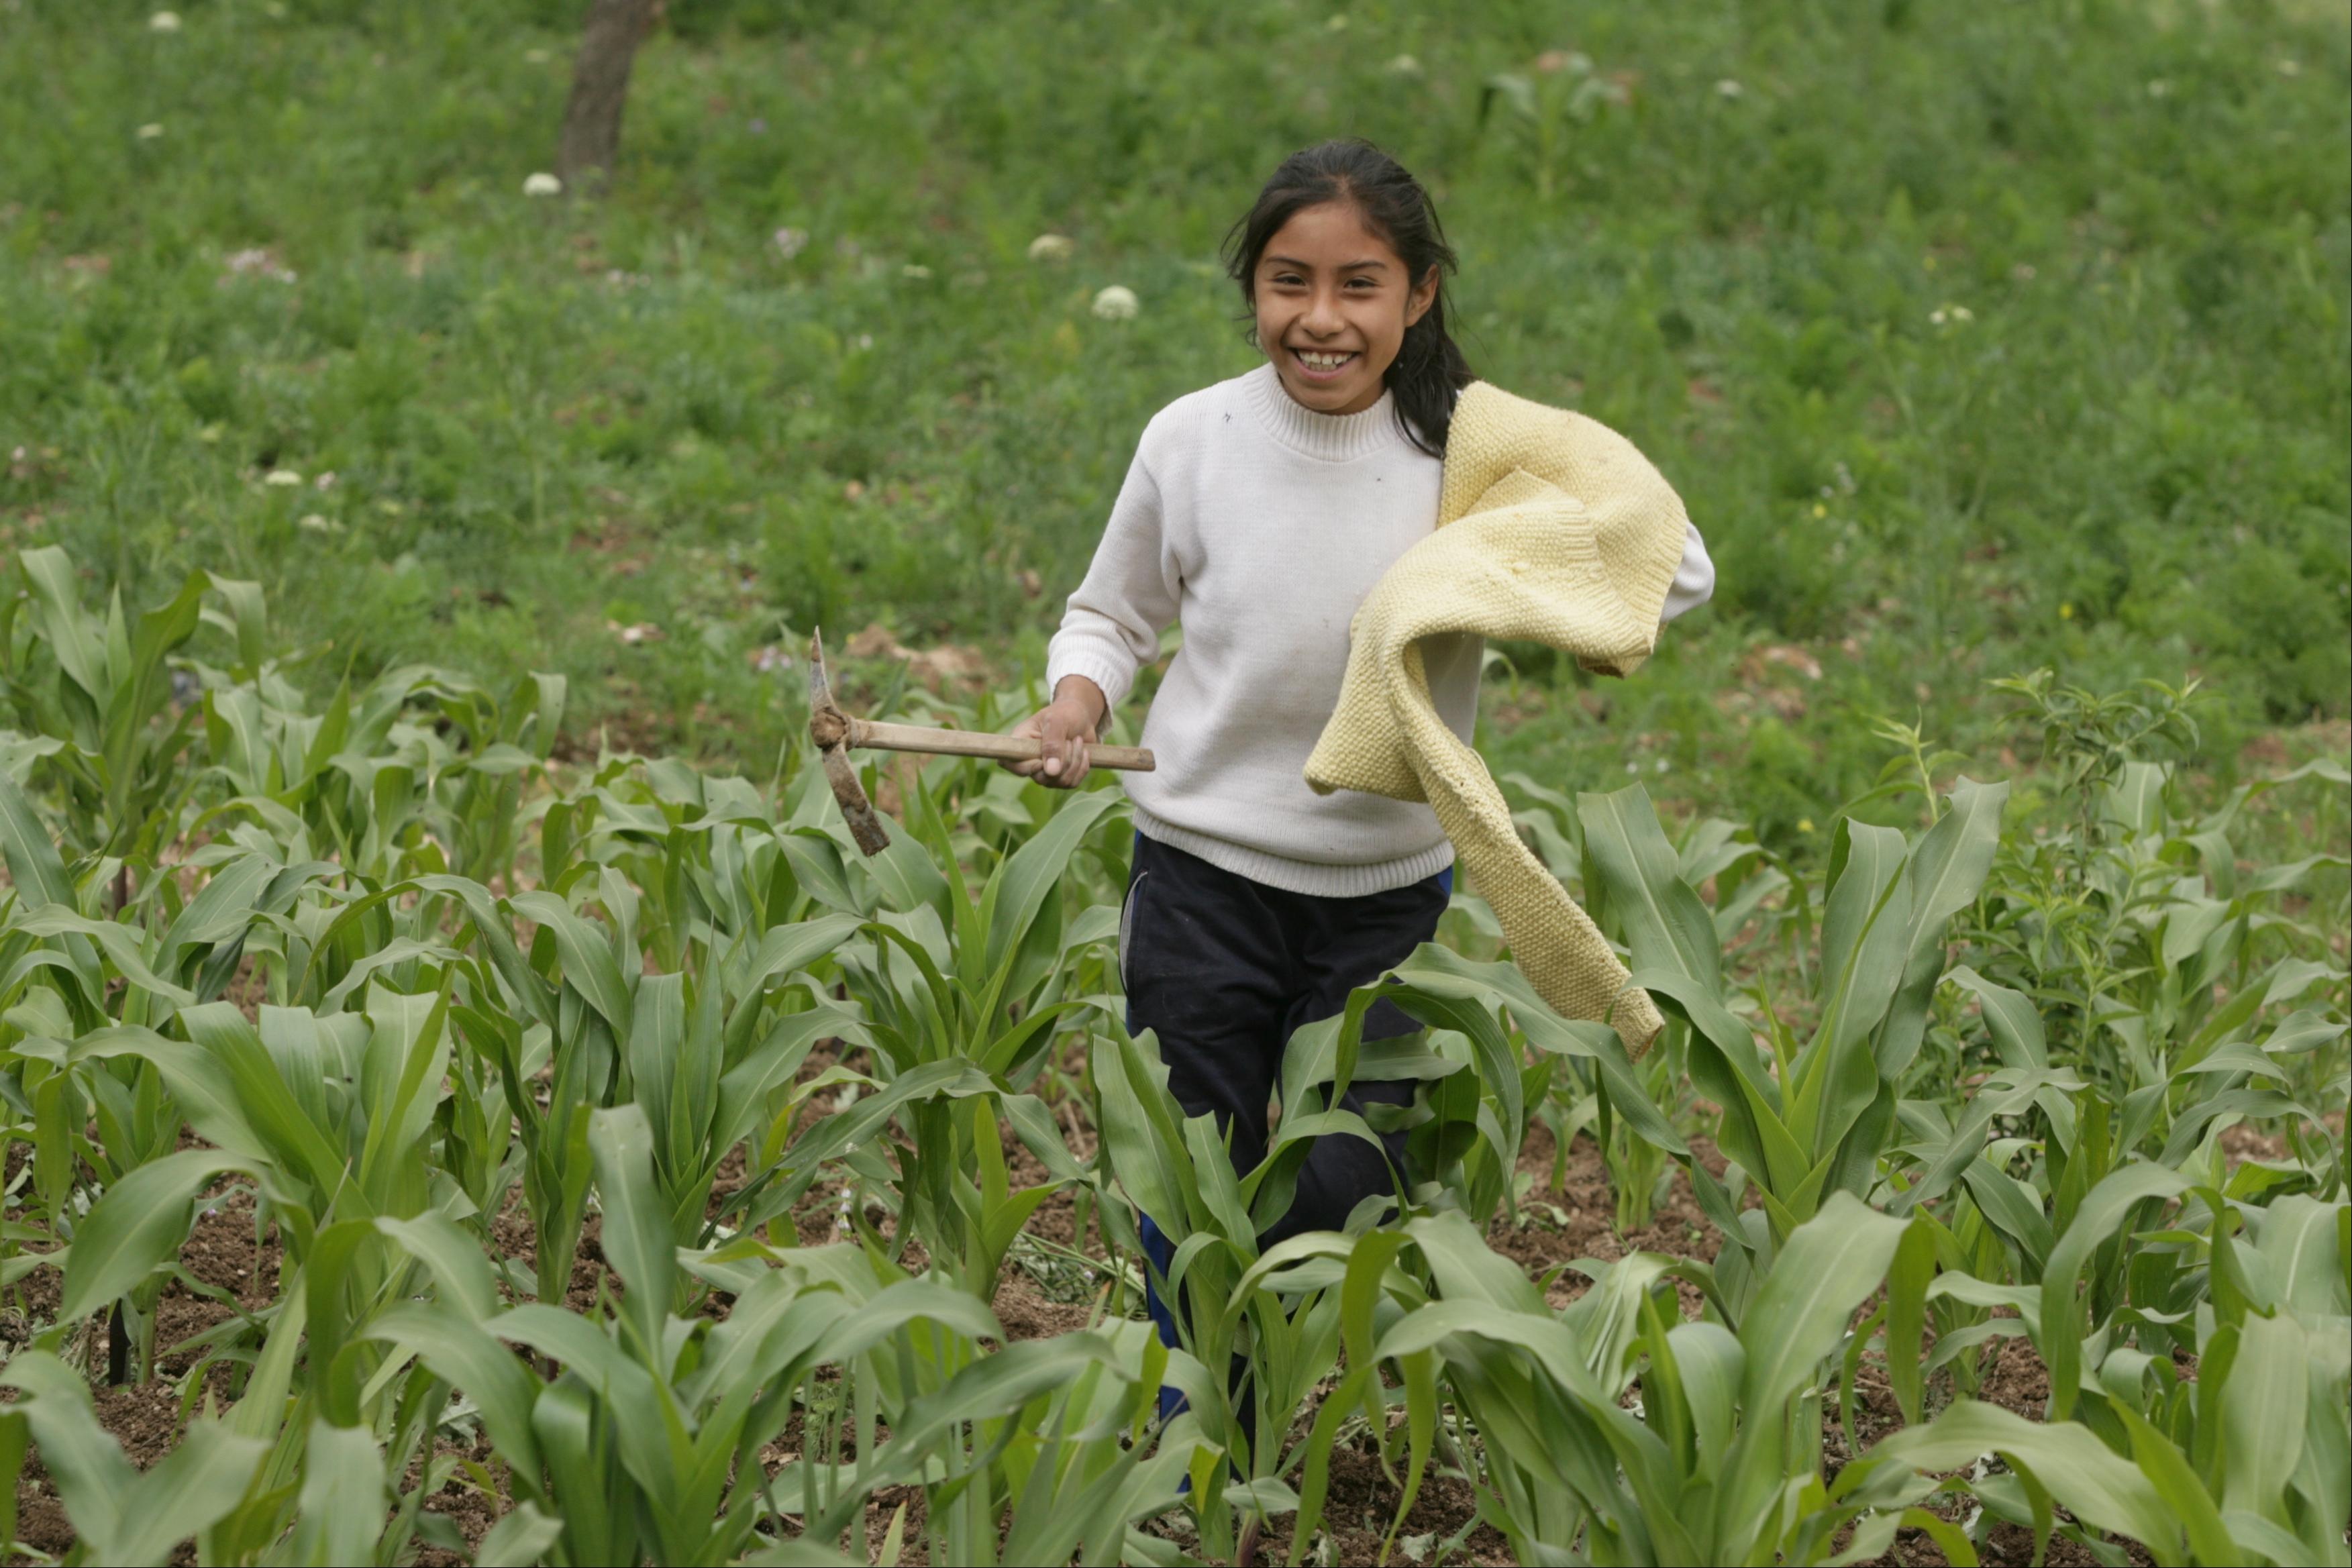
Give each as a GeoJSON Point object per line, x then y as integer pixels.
{"type": "Point", "coordinates": [1223, 969]}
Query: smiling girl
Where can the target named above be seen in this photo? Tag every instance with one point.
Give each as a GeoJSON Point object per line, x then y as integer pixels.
{"type": "Point", "coordinates": [1257, 514]}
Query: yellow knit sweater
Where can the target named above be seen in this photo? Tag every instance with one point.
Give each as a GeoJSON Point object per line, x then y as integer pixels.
{"type": "Point", "coordinates": [1551, 527]}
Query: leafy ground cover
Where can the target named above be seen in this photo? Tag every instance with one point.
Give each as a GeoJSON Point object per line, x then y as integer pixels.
{"type": "Point", "coordinates": [1979, 338]}
{"type": "Point", "coordinates": [605, 1162]}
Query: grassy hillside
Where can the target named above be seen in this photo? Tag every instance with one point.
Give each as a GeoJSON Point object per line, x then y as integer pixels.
{"type": "Point", "coordinates": [1978, 337]}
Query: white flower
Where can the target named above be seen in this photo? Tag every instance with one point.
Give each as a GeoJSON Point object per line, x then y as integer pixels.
{"type": "Point", "coordinates": [258, 261]}
{"type": "Point", "coordinates": [325, 481]}
{"type": "Point", "coordinates": [1728, 88]}
{"type": "Point", "coordinates": [914, 270]}
{"type": "Point", "coordinates": [535, 57]}
{"type": "Point", "coordinates": [281, 477]}
{"type": "Point", "coordinates": [790, 242]}
{"type": "Point", "coordinates": [149, 132]}
{"type": "Point", "coordinates": [163, 22]}
{"type": "Point", "coordinates": [2159, 88]}
{"type": "Point", "coordinates": [1951, 315]}
{"type": "Point", "coordinates": [1051, 247]}
{"type": "Point", "coordinates": [2290, 67]}
{"type": "Point", "coordinates": [318, 525]}
{"type": "Point", "coordinates": [1116, 303]}
{"type": "Point", "coordinates": [542, 185]}
{"type": "Point", "coordinates": [1402, 66]}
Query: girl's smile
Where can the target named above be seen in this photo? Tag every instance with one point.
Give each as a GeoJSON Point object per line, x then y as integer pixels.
{"type": "Point", "coordinates": [1322, 365]}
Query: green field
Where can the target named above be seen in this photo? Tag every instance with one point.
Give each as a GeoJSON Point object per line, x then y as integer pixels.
{"type": "Point", "coordinates": [466, 1099]}
{"type": "Point", "coordinates": [1727, 231]}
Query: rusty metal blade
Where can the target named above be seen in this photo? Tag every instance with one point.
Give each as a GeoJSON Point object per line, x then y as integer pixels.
{"type": "Point", "coordinates": [865, 826]}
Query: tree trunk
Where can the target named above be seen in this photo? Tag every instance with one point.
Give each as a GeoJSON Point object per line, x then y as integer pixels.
{"type": "Point", "coordinates": [599, 90]}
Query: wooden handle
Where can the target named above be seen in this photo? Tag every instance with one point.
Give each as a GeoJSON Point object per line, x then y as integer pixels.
{"type": "Point", "coordinates": [972, 743]}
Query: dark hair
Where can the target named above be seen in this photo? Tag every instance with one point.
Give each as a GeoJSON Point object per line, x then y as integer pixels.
{"type": "Point", "coordinates": [1429, 371]}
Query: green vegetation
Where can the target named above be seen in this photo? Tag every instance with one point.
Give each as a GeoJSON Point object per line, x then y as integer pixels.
{"type": "Point", "coordinates": [1978, 337]}
{"type": "Point", "coordinates": [514, 1068]}
{"type": "Point", "coordinates": [463, 1092]}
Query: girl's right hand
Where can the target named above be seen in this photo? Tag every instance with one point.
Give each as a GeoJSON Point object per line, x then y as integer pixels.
{"type": "Point", "coordinates": [1065, 726]}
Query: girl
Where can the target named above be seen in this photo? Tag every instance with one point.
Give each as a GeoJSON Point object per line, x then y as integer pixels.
{"type": "Point", "coordinates": [1258, 513]}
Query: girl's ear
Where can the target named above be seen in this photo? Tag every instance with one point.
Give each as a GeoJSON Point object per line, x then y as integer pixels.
{"type": "Point", "coordinates": [1424, 296]}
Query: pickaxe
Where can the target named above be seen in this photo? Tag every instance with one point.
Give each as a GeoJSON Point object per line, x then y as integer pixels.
{"type": "Point", "coordinates": [835, 733]}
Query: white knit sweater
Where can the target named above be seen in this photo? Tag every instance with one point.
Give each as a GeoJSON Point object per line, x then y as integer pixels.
{"type": "Point", "coordinates": [1259, 525]}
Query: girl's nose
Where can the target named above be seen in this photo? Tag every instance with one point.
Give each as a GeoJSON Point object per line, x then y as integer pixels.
{"type": "Point", "coordinates": [1323, 317]}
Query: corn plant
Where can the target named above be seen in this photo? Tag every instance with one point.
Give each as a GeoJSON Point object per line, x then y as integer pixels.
{"type": "Point", "coordinates": [1716, 1464]}
{"type": "Point", "coordinates": [123, 1515]}
{"type": "Point", "coordinates": [90, 687]}
{"type": "Point", "coordinates": [1815, 1115]}
{"type": "Point", "coordinates": [1743, 879]}
{"type": "Point", "coordinates": [961, 991]}
{"type": "Point", "coordinates": [1274, 1315]}
{"type": "Point", "coordinates": [2248, 1462]}
{"type": "Point", "coordinates": [645, 1442]}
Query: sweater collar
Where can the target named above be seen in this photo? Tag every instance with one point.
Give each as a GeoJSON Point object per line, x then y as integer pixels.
{"type": "Point", "coordinates": [1332, 437]}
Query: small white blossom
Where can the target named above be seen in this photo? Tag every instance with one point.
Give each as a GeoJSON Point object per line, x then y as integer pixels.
{"type": "Point", "coordinates": [790, 243]}
{"type": "Point", "coordinates": [1116, 303]}
{"type": "Point", "coordinates": [149, 132]}
{"type": "Point", "coordinates": [914, 270]}
{"type": "Point", "coordinates": [317, 524]}
{"type": "Point", "coordinates": [2159, 88]}
{"type": "Point", "coordinates": [1051, 247]}
{"type": "Point", "coordinates": [257, 262]}
{"type": "Point", "coordinates": [2290, 67]}
{"type": "Point", "coordinates": [535, 57]}
{"type": "Point", "coordinates": [542, 185]}
{"type": "Point", "coordinates": [1728, 88]}
{"type": "Point", "coordinates": [1403, 66]}
{"type": "Point", "coordinates": [325, 481]}
{"type": "Point", "coordinates": [1950, 315]}
{"type": "Point", "coordinates": [163, 22]}
{"type": "Point", "coordinates": [284, 477]}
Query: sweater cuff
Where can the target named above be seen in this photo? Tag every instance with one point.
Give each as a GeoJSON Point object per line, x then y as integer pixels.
{"type": "Point", "coordinates": [1115, 677]}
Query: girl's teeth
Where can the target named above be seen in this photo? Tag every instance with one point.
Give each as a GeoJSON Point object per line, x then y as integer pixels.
{"type": "Point", "coordinates": [1324, 361]}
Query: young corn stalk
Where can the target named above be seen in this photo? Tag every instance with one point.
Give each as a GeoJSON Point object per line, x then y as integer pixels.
{"type": "Point", "coordinates": [1815, 1115]}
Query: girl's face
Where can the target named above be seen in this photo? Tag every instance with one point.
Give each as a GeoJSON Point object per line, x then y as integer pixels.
{"type": "Point", "coordinates": [1333, 301]}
